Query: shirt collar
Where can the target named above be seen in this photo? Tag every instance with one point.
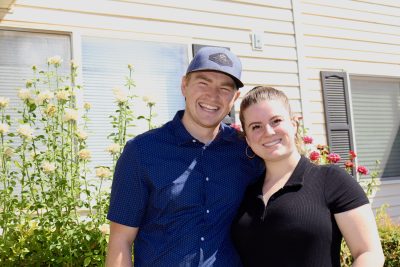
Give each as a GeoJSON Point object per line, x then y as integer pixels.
{"type": "Point", "coordinates": [295, 180]}
{"type": "Point", "coordinates": [226, 132]}
{"type": "Point", "coordinates": [297, 177]}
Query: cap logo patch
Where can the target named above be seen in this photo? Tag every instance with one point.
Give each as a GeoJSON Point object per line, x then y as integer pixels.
{"type": "Point", "coordinates": [221, 59]}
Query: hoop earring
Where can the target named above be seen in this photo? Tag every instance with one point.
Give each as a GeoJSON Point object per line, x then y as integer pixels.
{"type": "Point", "coordinates": [247, 153]}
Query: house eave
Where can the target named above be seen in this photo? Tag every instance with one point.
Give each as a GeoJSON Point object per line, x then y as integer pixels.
{"type": "Point", "coordinates": [5, 8]}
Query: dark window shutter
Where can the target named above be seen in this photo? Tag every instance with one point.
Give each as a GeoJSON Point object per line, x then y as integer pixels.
{"type": "Point", "coordinates": [337, 113]}
{"type": "Point", "coordinates": [229, 118]}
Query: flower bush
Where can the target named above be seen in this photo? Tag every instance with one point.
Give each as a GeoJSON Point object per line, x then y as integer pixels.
{"type": "Point", "coordinates": [53, 209]}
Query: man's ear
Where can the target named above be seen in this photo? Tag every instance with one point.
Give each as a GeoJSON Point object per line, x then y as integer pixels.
{"type": "Point", "coordinates": [237, 95]}
{"type": "Point", "coordinates": [183, 86]}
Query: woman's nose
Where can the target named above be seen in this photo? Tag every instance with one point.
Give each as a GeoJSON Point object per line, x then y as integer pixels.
{"type": "Point", "coordinates": [269, 130]}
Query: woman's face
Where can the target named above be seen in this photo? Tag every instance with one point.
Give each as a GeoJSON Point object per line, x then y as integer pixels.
{"type": "Point", "coordinates": [270, 131]}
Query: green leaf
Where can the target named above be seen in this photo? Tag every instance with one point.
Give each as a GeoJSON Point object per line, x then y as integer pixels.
{"type": "Point", "coordinates": [32, 107]}
{"type": "Point", "coordinates": [87, 261]}
{"type": "Point", "coordinates": [17, 164]}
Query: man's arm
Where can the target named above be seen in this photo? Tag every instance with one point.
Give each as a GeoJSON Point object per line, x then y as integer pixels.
{"type": "Point", "coordinates": [119, 252]}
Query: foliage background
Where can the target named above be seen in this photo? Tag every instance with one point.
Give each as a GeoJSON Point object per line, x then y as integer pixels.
{"type": "Point", "coordinates": [53, 207]}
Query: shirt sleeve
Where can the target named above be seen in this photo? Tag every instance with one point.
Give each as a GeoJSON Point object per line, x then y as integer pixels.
{"type": "Point", "coordinates": [129, 192]}
{"type": "Point", "coordinates": [342, 191]}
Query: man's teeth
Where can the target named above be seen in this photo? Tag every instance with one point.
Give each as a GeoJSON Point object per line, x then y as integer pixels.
{"type": "Point", "coordinates": [272, 143]}
{"type": "Point", "coordinates": [208, 107]}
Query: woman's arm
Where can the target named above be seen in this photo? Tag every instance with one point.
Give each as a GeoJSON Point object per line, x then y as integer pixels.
{"type": "Point", "coordinates": [359, 229]}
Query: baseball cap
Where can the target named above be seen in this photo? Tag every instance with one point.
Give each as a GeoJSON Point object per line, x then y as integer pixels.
{"type": "Point", "coordinates": [217, 59]}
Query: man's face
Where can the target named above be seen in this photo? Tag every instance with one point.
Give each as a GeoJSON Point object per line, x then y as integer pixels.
{"type": "Point", "coordinates": [209, 98]}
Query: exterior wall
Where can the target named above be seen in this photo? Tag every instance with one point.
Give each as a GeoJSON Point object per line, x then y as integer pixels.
{"type": "Point", "coordinates": [357, 37]}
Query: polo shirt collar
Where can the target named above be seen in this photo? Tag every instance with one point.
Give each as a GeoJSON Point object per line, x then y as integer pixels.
{"type": "Point", "coordinates": [295, 180]}
{"type": "Point", "coordinates": [297, 177]}
{"type": "Point", "coordinates": [226, 132]}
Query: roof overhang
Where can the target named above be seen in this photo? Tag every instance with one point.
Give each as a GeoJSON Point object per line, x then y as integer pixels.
{"type": "Point", "coordinates": [5, 7]}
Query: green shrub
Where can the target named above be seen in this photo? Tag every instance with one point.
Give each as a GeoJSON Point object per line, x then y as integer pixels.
{"type": "Point", "coordinates": [72, 244]}
{"type": "Point", "coordinates": [390, 238]}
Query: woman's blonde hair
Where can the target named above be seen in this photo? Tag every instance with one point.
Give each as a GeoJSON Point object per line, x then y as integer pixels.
{"type": "Point", "coordinates": [265, 93]}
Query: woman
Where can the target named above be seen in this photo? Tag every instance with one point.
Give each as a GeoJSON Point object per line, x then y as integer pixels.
{"type": "Point", "coordinates": [297, 213]}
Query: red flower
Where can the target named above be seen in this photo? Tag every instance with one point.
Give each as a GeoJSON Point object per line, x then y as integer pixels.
{"type": "Point", "coordinates": [349, 164]}
{"type": "Point", "coordinates": [333, 158]}
{"type": "Point", "coordinates": [314, 156]}
{"type": "Point", "coordinates": [307, 139]}
{"type": "Point", "coordinates": [235, 126]}
{"type": "Point", "coordinates": [362, 170]}
{"type": "Point", "coordinates": [352, 155]}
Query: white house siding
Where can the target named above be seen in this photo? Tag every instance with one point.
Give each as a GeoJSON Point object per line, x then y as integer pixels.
{"type": "Point", "coordinates": [357, 37]}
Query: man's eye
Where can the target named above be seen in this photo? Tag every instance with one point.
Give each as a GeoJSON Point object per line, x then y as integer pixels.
{"type": "Point", "coordinates": [226, 89]}
{"type": "Point", "coordinates": [255, 127]}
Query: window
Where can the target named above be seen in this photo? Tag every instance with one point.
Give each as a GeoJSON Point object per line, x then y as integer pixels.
{"type": "Point", "coordinates": [19, 51]}
{"type": "Point", "coordinates": [376, 116]}
{"type": "Point", "coordinates": [158, 69]}
{"type": "Point", "coordinates": [375, 119]}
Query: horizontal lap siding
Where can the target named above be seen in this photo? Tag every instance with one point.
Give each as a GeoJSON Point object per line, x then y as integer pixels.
{"type": "Point", "coordinates": [358, 37]}
{"type": "Point", "coordinates": [227, 23]}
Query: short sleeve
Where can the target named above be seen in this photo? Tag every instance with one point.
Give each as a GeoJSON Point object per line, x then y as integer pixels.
{"type": "Point", "coordinates": [129, 192]}
{"type": "Point", "coordinates": [342, 191]}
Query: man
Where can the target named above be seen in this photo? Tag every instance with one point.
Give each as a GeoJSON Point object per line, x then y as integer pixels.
{"type": "Point", "coordinates": [176, 189]}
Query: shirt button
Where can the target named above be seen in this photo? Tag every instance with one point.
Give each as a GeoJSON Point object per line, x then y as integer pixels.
{"type": "Point", "coordinates": [194, 140]}
{"type": "Point", "coordinates": [202, 238]}
{"type": "Point", "coordinates": [208, 211]}
{"type": "Point", "coordinates": [207, 179]}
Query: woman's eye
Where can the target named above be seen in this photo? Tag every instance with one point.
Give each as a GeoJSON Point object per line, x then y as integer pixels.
{"type": "Point", "coordinates": [276, 122]}
{"type": "Point", "coordinates": [255, 127]}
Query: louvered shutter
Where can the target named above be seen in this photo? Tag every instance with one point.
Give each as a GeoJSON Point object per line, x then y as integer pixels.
{"type": "Point", "coordinates": [337, 113]}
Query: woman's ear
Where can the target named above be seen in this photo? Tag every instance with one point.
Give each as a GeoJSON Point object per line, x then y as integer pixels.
{"type": "Point", "coordinates": [295, 122]}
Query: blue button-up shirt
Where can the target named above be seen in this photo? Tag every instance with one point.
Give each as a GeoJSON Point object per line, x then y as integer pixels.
{"type": "Point", "coordinates": [182, 194]}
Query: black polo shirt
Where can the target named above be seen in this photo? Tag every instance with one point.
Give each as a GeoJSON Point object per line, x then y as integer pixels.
{"type": "Point", "coordinates": [297, 227]}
